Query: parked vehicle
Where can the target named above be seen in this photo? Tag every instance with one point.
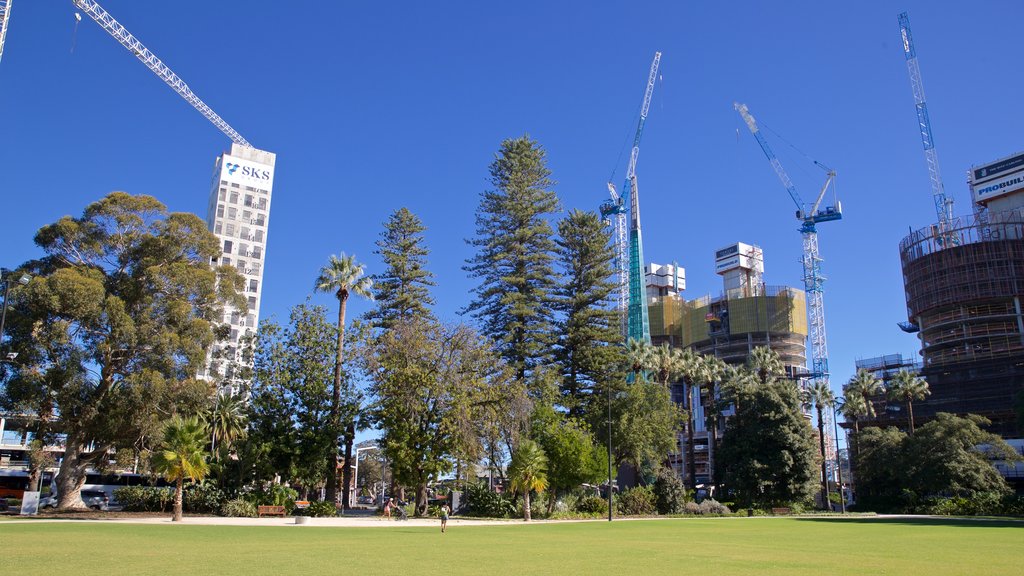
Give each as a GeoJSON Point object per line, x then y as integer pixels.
{"type": "Point", "coordinates": [96, 499]}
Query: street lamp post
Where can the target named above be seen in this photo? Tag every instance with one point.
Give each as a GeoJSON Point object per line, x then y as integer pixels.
{"type": "Point", "coordinates": [609, 389]}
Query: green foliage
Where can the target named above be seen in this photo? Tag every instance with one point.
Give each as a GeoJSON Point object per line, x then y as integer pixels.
{"type": "Point", "coordinates": [322, 509]}
{"type": "Point", "coordinates": [227, 420]}
{"type": "Point", "coordinates": [402, 291]}
{"type": "Point", "coordinates": [528, 472]}
{"type": "Point", "coordinates": [906, 386]}
{"type": "Point", "coordinates": [768, 452]}
{"type": "Point", "coordinates": [290, 424]}
{"type": "Point", "coordinates": [645, 426]}
{"type": "Point", "coordinates": [573, 458]}
{"type": "Point", "coordinates": [239, 508]}
{"type": "Point", "coordinates": [482, 502]}
{"type": "Point", "coordinates": [512, 267]}
{"type": "Point", "coordinates": [203, 498]}
{"type": "Point", "coordinates": [143, 498]}
{"type": "Point", "coordinates": [670, 495]}
{"type": "Point", "coordinates": [592, 505]}
{"type": "Point", "coordinates": [947, 457]}
{"type": "Point", "coordinates": [433, 386]}
{"type": "Point", "coordinates": [276, 495]}
{"type": "Point", "coordinates": [114, 326]}
{"type": "Point", "coordinates": [588, 353]}
{"type": "Point", "coordinates": [637, 501]}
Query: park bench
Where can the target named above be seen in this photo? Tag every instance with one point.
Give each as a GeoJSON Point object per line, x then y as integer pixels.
{"type": "Point", "coordinates": [270, 511]}
{"type": "Point", "coordinates": [780, 511]}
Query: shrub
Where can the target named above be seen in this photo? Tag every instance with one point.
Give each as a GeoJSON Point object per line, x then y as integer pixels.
{"type": "Point", "coordinates": [203, 498]}
{"type": "Point", "coordinates": [980, 504]}
{"type": "Point", "coordinates": [144, 498]}
{"type": "Point", "coordinates": [638, 501]}
{"type": "Point", "coordinates": [238, 508]}
{"type": "Point", "coordinates": [481, 501]}
{"type": "Point", "coordinates": [275, 495]}
{"type": "Point", "coordinates": [322, 509]}
{"type": "Point", "coordinates": [538, 507]}
{"type": "Point", "coordinates": [591, 505]}
{"type": "Point", "coordinates": [712, 506]}
{"type": "Point", "coordinates": [670, 495]}
{"type": "Point", "coordinates": [691, 508]}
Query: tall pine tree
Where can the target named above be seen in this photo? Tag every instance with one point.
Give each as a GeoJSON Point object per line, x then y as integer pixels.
{"type": "Point", "coordinates": [589, 350]}
{"type": "Point", "coordinates": [513, 263]}
{"type": "Point", "coordinates": [402, 291]}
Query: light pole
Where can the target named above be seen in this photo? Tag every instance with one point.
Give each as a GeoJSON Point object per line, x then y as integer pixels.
{"type": "Point", "coordinates": [356, 479]}
{"type": "Point", "coordinates": [5, 279]}
{"type": "Point", "coordinates": [609, 389]}
{"type": "Point", "coordinates": [839, 463]}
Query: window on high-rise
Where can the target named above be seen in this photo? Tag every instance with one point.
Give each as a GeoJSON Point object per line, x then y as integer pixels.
{"type": "Point", "coordinates": [262, 204]}
{"type": "Point", "coordinates": [248, 200]}
{"type": "Point", "coordinates": [223, 194]}
{"type": "Point", "coordinates": [220, 210]}
{"type": "Point", "coordinates": [252, 302]}
{"type": "Point", "coordinates": [217, 228]}
{"type": "Point", "coordinates": [225, 261]}
{"type": "Point", "coordinates": [259, 235]}
{"type": "Point", "coordinates": [235, 316]}
{"type": "Point", "coordinates": [227, 246]}
{"type": "Point", "coordinates": [232, 212]}
{"type": "Point", "coordinates": [234, 196]}
{"type": "Point", "coordinates": [261, 220]}
{"type": "Point", "coordinates": [254, 285]}
{"type": "Point", "coordinates": [251, 320]}
{"type": "Point", "coordinates": [229, 229]}
{"type": "Point", "coordinates": [256, 252]}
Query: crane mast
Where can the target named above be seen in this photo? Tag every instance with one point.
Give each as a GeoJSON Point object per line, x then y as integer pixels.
{"type": "Point", "coordinates": [630, 300]}
{"type": "Point", "coordinates": [943, 203]}
{"type": "Point", "coordinates": [115, 29]}
{"type": "Point", "coordinates": [813, 277]}
{"type": "Point", "coordinates": [5, 16]}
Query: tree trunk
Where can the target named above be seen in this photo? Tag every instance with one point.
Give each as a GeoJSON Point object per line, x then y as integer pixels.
{"type": "Point", "coordinates": [691, 453]}
{"type": "Point", "coordinates": [346, 472]}
{"type": "Point", "coordinates": [910, 415]}
{"type": "Point", "coordinates": [332, 484]}
{"type": "Point", "coordinates": [824, 470]}
{"type": "Point", "coordinates": [421, 499]}
{"type": "Point", "coordinates": [526, 505]}
{"type": "Point", "coordinates": [71, 476]}
{"type": "Point", "coordinates": [178, 490]}
{"type": "Point", "coordinates": [552, 496]}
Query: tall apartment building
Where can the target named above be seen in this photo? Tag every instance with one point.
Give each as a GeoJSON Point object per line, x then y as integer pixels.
{"type": "Point", "coordinates": [239, 213]}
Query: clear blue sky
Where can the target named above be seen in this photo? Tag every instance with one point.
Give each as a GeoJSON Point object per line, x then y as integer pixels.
{"type": "Point", "coordinates": [373, 106]}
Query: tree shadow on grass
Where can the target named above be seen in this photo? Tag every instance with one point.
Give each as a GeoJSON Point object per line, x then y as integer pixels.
{"type": "Point", "coordinates": [979, 522]}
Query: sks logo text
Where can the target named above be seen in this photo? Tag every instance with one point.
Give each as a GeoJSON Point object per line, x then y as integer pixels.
{"type": "Point", "coordinates": [247, 171]}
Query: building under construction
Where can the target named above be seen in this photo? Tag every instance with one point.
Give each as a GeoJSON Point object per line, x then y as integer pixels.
{"type": "Point", "coordinates": [964, 284]}
{"type": "Point", "coordinates": [746, 315]}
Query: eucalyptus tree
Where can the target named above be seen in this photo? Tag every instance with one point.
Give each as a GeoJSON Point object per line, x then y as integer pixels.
{"type": "Point", "coordinates": [343, 277]}
{"type": "Point", "coordinates": [906, 386]}
{"type": "Point", "coordinates": [115, 326]}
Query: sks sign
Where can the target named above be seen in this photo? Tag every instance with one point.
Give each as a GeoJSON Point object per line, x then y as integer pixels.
{"type": "Point", "coordinates": [238, 170]}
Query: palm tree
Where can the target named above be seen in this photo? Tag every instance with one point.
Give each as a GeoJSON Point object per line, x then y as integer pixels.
{"type": "Point", "coordinates": [341, 276]}
{"type": "Point", "coordinates": [713, 371]}
{"type": "Point", "coordinates": [181, 455]}
{"type": "Point", "coordinates": [639, 355]}
{"type": "Point", "coordinates": [765, 364]}
{"type": "Point", "coordinates": [906, 387]}
{"type": "Point", "coordinates": [227, 422]}
{"type": "Point", "coordinates": [528, 472]}
{"type": "Point", "coordinates": [866, 385]}
{"type": "Point", "coordinates": [820, 395]}
{"type": "Point", "coordinates": [666, 364]}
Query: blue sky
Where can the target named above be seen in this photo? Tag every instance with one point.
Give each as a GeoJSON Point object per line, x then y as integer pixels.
{"type": "Point", "coordinates": [373, 106]}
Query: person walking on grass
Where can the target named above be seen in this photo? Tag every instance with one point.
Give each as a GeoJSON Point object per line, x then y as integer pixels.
{"type": "Point", "coordinates": [444, 517]}
{"type": "Point", "coordinates": [387, 508]}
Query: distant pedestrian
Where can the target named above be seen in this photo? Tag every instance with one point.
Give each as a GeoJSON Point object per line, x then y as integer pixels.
{"type": "Point", "coordinates": [444, 517]}
{"type": "Point", "coordinates": [387, 508]}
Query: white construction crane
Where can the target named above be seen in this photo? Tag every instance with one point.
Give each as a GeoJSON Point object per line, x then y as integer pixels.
{"type": "Point", "coordinates": [5, 16]}
{"type": "Point", "coordinates": [115, 29]}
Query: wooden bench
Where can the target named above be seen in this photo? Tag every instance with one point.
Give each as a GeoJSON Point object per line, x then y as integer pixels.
{"type": "Point", "coordinates": [270, 511]}
{"type": "Point", "coordinates": [780, 511]}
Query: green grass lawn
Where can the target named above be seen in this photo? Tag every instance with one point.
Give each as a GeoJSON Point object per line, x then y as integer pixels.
{"type": "Point", "coordinates": [692, 546]}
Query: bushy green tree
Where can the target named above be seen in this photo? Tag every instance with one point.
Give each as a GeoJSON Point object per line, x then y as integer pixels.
{"type": "Point", "coordinates": [291, 431]}
{"type": "Point", "coordinates": [114, 327]}
{"type": "Point", "coordinates": [768, 454]}
{"type": "Point", "coordinates": [573, 458]}
{"type": "Point", "coordinates": [514, 252]}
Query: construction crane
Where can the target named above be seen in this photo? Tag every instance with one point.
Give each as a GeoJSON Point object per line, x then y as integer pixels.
{"type": "Point", "coordinates": [813, 278]}
{"type": "Point", "coordinates": [629, 256]}
{"type": "Point", "coordinates": [943, 203]}
{"type": "Point", "coordinates": [5, 16]}
{"type": "Point", "coordinates": [115, 29]}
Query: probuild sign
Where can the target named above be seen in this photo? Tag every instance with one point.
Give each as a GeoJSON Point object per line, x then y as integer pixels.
{"type": "Point", "coordinates": [998, 178]}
